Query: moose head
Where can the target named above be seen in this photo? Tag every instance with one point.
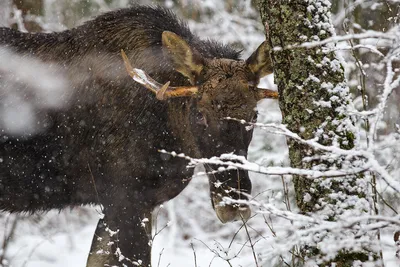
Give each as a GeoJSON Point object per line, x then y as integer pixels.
{"type": "Point", "coordinates": [219, 89]}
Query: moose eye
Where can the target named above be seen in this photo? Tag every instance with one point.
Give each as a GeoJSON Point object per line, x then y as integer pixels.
{"type": "Point", "coordinates": [201, 119]}
{"type": "Point", "coordinates": [252, 84]}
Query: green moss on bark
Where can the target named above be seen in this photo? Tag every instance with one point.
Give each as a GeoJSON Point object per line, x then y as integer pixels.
{"type": "Point", "coordinates": [313, 100]}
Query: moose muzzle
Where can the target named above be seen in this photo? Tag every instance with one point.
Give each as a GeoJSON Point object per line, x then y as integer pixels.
{"type": "Point", "coordinates": [232, 184]}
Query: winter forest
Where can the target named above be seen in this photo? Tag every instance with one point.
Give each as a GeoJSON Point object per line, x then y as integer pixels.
{"type": "Point", "coordinates": [324, 160]}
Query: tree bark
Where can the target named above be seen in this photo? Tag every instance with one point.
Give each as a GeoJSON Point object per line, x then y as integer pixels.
{"type": "Point", "coordinates": [313, 100]}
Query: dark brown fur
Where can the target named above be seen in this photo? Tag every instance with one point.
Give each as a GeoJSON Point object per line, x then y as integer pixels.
{"type": "Point", "coordinates": [102, 145]}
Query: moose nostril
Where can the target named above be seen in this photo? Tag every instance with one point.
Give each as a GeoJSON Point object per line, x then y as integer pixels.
{"type": "Point", "coordinates": [244, 213]}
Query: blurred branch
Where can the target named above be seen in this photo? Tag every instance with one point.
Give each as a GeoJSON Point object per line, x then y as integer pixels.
{"type": "Point", "coordinates": [8, 235]}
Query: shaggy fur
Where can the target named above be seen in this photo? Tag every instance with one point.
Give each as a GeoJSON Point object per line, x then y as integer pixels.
{"type": "Point", "coordinates": [101, 145]}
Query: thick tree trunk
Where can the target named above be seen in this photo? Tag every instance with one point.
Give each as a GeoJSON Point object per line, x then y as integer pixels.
{"type": "Point", "coordinates": [313, 101]}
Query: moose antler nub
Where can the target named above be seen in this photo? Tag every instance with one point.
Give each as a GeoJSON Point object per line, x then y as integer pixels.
{"type": "Point", "coordinates": [162, 92]}
{"type": "Point", "coordinates": [266, 93]}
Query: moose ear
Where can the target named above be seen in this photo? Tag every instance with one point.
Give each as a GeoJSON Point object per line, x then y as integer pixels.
{"type": "Point", "coordinates": [185, 60]}
{"type": "Point", "coordinates": [260, 61]}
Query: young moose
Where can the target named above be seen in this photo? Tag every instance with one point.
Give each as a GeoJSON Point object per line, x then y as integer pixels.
{"type": "Point", "coordinates": [101, 146]}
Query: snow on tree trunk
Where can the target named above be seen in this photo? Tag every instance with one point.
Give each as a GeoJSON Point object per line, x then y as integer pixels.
{"type": "Point", "coordinates": [314, 101]}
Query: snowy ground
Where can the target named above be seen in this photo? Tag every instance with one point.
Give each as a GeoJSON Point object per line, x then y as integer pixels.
{"type": "Point", "coordinates": [43, 244]}
{"type": "Point", "coordinates": [65, 249]}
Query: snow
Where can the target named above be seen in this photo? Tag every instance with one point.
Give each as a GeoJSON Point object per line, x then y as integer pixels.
{"type": "Point", "coordinates": [142, 78]}
{"type": "Point", "coordinates": [25, 97]}
{"type": "Point", "coordinates": [188, 232]}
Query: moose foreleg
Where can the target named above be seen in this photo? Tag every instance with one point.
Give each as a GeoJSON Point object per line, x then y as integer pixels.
{"type": "Point", "coordinates": [121, 239]}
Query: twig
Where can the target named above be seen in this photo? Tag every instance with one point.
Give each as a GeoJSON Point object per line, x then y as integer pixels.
{"type": "Point", "coordinates": [194, 254]}
{"type": "Point", "coordinates": [94, 186]}
{"type": "Point", "coordinates": [8, 237]}
{"type": "Point", "coordinates": [159, 258]}
{"type": "Point", "coordinates": [251, 243]}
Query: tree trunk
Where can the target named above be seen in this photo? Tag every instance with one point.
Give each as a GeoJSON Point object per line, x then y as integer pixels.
{"type": "Point", "coordinates": [313, 100]}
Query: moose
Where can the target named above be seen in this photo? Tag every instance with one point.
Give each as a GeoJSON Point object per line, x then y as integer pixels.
{"type": "Point", "coordinates": [102, 145]}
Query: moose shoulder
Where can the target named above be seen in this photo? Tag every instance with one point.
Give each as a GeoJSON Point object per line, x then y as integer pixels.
{"type": "Point", "coordinates": [100, 146]}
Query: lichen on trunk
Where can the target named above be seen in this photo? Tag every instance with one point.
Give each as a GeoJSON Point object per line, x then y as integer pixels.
{"type": "Point", "coordinates": [314, 101]}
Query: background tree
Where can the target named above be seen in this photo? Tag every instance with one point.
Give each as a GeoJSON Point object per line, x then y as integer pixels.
{"type": "Point", "coordinates": [28, 11]}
